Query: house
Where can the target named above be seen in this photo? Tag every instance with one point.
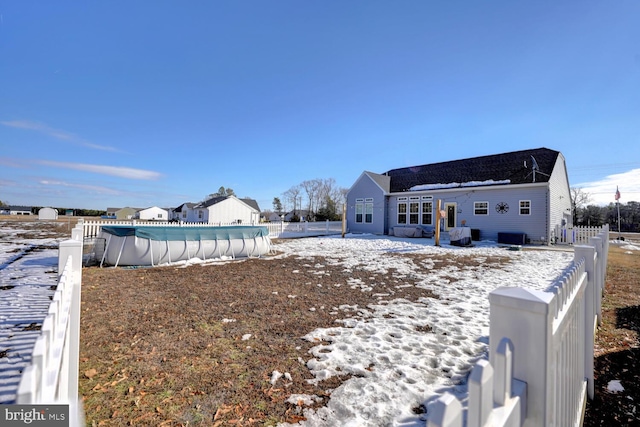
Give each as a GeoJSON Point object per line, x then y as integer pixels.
{"type": "Point", "coordinates": [111, 213]}
{"type": "Point", "coordinates": [301, 214]}
{"type": "Point", "coordinates": [126, 213]}
{"type": "Point", "coordinates": [523, 192]}
{"type": "Point", "coordinates": [185, 213]}
{"type": "Point", "coordinates": [47, 214]}
{"type": "Point", "coordinates": [15, 210]}
{"type": "Point", "coordinates": [226, 210]}
{"type": "Point", "coordinates": [272, 216]}
{"type": "Point", "coordinates": [153, 213]}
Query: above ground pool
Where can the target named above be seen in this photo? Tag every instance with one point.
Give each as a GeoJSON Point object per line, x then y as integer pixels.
{"type": "Point", "coordinates": [154, 245]}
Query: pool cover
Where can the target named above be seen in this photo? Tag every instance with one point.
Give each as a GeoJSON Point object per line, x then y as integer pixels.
{"type": "Point", "coordinates": [188, 233]}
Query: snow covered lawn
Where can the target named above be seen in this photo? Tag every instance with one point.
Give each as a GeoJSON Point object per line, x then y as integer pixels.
{"type": "Point", "coordinates": [403, 354]}
{"type": "Point", "coordinates": [28, 275]}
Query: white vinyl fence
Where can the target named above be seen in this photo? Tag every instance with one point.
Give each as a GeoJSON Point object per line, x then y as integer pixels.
{"type": "Point", "coordinates": [541, 358]}
{"type": "Point", "coordinates": [578, 235]}
{"type": "Point", "coordinates": [276, 229]}
{"type": "Point", "coordinates": [52, 376]}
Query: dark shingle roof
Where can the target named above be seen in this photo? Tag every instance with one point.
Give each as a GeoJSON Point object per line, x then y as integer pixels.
{"type": "Point", "coordinates": [252, 203]}
{"type": "Point", "coordinates": [211, 201]}
{"type": "Point", "coordinates": [498, 167]}
{"type": "Point", "coordinates": [184, 205]}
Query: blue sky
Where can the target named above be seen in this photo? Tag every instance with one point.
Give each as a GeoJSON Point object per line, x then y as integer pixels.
{"type": "Point", "coordinates": [119, 103]}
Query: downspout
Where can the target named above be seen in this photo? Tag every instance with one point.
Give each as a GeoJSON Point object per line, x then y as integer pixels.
{"type": "Point", "coordinates": [548, 219]}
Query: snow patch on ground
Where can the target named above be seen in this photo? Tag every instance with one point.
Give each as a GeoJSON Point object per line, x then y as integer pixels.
{"type": "Point", "coordinates": [404, 354]}
{"type": "Point", "coordinates": [614, 386]}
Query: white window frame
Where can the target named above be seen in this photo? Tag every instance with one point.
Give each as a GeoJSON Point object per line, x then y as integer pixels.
{"type": "Point", "coordinates": [359, 210]}
{"type": "Point", "coordinates": [426, 201]}
{"type": "Point", "coordinates": [414, 210]}
{"type": "Point", "coordinates": [524, 207]}
{"type": "Point", "coordinates": [368, 210]}
{"type": "Point", "coordinates": [402, 202]}
{"type": "Point", "coordinates": [479, 207]}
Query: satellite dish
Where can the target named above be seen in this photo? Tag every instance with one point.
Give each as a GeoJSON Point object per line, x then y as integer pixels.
{"type": "Point", "coordinates": [535, 166]}
{"type": "Point", "coordinates": [535, 169]}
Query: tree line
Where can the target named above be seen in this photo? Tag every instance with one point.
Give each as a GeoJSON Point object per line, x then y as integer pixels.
{"type": "Point", "coordinates": [587, 214]}
{"type": "Point", "coordinates": [314, 200]}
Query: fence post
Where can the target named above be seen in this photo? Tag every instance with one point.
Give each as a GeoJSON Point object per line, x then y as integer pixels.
{"type": "Point", "coordinates": [598, 276]}
{"type": "Point", "coordinates": [522, 316]}
{"type": "Point", "coordinates": [73, 248]}
{"type": "Point", "coordinates": [77, 233]}
{"type": "Point", "coordinates": [589, 254]}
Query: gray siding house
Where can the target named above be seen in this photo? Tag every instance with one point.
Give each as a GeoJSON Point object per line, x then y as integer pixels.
{"type": "Point", "coordinates": [519, 192]}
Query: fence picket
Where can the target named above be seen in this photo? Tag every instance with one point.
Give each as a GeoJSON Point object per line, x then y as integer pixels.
{"type": "Point", "coordinates": [446, 411]}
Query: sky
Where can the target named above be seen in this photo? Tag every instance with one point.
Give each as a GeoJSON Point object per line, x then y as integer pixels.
{"type": "Point", "coordinates": [157, 103]}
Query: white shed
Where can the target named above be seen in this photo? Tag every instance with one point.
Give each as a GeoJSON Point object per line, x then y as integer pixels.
{"type": "Point", "coordinates": [47, 214]}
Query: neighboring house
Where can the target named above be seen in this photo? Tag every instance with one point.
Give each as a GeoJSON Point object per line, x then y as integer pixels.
{"type": "Point", "coordinates": [111, 213]}
{"type": "Point", "coordinates": [519, 192]}
{"type": "Point", "coordinates": [15, 210]}
{"type": "Point", "coordinates": [126, 213]}
{"type": "Point", "coordinates": [302, 214]}
{"type": "Point", "coordinates": [227, 209]}
{"type": "Point", "coordinates": [153, 213]}
{"type": "Point", "coordinates": [47, 214]}
{"type": "Point", "coordinates": [272, 217]}
{"type": "Point", "coordinates": [185, 213]}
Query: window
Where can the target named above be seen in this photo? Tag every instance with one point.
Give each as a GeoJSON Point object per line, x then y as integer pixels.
{"type": "Point", "coordinates": [368, 210]}
{"type": "Point", "coordinates": [413, 212]}
{"type": "Point", "coordinates": [199, 214]}
{"type": "Point", "coordinates": [359, 207]}
{"type": "Point", "coordinates": [184, 214]}
{"type": "Point", "coordinates": [402, 210]}
{"type": "Point", "coordinates": [525, 207]}
{"type": "Point", "coordinates": [159, 216]}
{"type": "Point", "coordinates": [427, 212]}
{"type": "Point", "coordinates": [481, 208]}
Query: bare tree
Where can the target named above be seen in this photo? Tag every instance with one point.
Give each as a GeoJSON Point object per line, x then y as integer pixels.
{"type": "Point", "coordinates": [312, 188]}
{"type": "Point", "coordinates": [324, 199]}
{"type": "Point", "coordinates": [292, 196]}
{"type": "Point", "coordinates": [579, 198]}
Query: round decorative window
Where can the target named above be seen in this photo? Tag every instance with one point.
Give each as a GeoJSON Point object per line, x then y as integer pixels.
{"type": "Point", "coordinates": [502, 208]}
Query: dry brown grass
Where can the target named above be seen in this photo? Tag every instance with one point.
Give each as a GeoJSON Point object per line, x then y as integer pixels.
{"type": "Point", "coordinates": [618, 344]}
{"type": "Point", "coordinates": [155, 346]}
